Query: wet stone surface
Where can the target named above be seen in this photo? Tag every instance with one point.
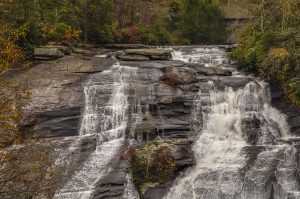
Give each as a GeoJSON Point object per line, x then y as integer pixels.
{"type": "Point", "coordinates": [172, 99]}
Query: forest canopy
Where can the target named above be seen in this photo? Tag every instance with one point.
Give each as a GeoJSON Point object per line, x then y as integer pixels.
{"type": "Point", "coordinates": [156, 22]}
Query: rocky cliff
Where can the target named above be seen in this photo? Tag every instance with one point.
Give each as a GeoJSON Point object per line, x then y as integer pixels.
{"type": "Point", "coordinates": [164, 90]}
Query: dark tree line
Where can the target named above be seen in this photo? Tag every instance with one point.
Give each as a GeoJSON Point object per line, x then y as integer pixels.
{"type": "Point", "coordinates": [155, 22]}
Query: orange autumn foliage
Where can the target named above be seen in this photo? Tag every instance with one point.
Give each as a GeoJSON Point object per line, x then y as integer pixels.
{"type": "Point", "coordinates": [10, 53]}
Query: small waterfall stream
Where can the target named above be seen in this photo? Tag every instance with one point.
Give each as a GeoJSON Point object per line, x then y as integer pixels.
{"type": "Point", "coordinates": [209, 56]}
{"type": "Point", "coordinates": [106, 117]}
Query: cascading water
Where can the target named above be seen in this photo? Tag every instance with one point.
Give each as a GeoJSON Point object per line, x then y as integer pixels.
{"type": "Point", "coordinates": [236, 141]}
{"type": "Point", "coordinates": [209, 56]}
{"type": "Point", "coordinates": [130, 191]}
{"type": "Point", "coordinates": [228, 122]}
{"type": "Point", "coordinates": [106, 117]}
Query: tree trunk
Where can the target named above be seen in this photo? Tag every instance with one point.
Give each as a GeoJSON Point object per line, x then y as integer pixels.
{"type": "Point", "coordinates": [85, 30]}
{"type": "Point", "coordinates": [262, 13]}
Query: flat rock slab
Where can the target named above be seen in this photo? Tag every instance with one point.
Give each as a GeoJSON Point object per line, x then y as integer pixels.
{"type": "Point", "coordinates": [133, 57]}
{"type": "Point", "coordinates": [152, 53]}
{"type": "Point", "coordinates": [125, 46]}
{"type": "Point", "coordinates": [201, 69]}
{"type": "Point", "coordinates": [57, 96]}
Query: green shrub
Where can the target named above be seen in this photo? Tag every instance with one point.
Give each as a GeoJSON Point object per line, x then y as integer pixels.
{"type": "Point", "coordinates": [60, 32]}
{"type": "Point", "coordinates": [293, 87]}
{"type": "Point", "coordinates": [153, 163]}
{"type": "Point", "coordinates": [270, 44]}
{"type": "Point", "coordinates": [252, 50]}
{"type": "Point", "coordinates": [101, 34]}
{"type": "Point", "coordinates": [276, 64]}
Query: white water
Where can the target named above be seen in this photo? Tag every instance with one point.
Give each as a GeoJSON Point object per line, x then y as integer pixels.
{"type": "Point", "coordinates": [218, 118]}
{"type": "Point", "coordinates": [108, 122]}
{"type": "Point", "coordinates": [209, 56]}
{"type": "Point", "coordinates": [130, 191]}
{"type": "Point", "coordinates": [218, 148]}
{"type": "Point", "coordinates": [222, 120]}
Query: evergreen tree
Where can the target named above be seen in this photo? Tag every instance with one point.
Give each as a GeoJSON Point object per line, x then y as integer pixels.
{"type": "Point", "coordinates": [202, 22]}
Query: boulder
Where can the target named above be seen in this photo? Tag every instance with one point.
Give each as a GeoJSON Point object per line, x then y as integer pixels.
{"type": "Point", "coordinates": [64, 49]}
{"type": "Point", "coordinates": [152, 53]}
{"type": "Point", "coordinates": [45, 53]}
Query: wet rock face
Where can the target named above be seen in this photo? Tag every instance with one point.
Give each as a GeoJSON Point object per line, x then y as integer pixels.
{"type": "Point", "coordinates": [251, 128]}
{"type": "Point", "coordinates": [271, 172]}
{"type": "Point", "coordinates": [167, 89]}
{"type": "Point", "coordinates": [57, 96]}
{"type": "Point", "coordinates": [112, 185]}
{"type": "Point", "coordinates": [61, 122]}
{"type": "Point", "coordinates": [292, 112]}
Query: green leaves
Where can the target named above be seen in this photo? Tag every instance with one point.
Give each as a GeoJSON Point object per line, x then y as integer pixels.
{"type": "Point", "coordinates": [157, 22]}
{"type": "Point", "coordinates": [274, 50]}
{"type": "Point", "coordinates": [153, 163]}
{"type": "Point", "coordinates": [202, 22]}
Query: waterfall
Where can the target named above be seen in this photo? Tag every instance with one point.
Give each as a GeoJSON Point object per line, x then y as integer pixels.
{"type": "Point", "coordinates": [235, 133]}
{"type": "Point", "coordinates": [228, 123]}
{"type": "Point", "coordinates": [106, 117]}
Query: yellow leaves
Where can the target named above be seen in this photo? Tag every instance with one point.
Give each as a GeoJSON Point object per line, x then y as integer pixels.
{"type": "Point", "coordinates": [13, 95]}
{"type": "Point", "coordinates": [278, 52]}
{"type": "Point", "coordinates": [72, 34]}
{"type": "Point", "coordinates": [10, 53]}
{"type": "Point", "coordinates": [276, 62]}
{"type": "Point", "coordinates": [23, 170]}
{"type": "Point", "coordinates": [4, 3]}
{"type": "Point", "coordinates": [25, 165]}
{"type": "Point", "coordinates": [48, 30]}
